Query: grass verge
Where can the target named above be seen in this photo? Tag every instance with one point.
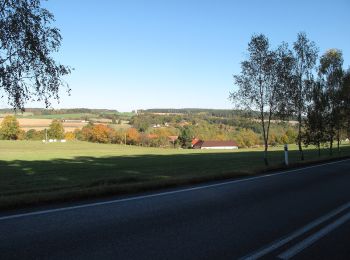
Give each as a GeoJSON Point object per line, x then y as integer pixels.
{"type": "Point", "coordinates": [32, 173]}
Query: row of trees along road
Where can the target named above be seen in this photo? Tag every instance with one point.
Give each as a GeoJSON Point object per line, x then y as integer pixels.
{"type": "Point", "coordinates": [283, 82]}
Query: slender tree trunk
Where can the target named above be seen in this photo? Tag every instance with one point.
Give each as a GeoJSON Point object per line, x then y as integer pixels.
{"type": "Point", "coordinates": [331, 146]}
{"type": "Point", "coordinates": [264, 135]}
{"type": "Point", "coordinates": [299, 138]}
{"type": "Point", "coordinates": [319, 149]}
{"type": "Point", "coordinates": [338, 140]}
{"type": "Point", "coordinates": [265, 153]}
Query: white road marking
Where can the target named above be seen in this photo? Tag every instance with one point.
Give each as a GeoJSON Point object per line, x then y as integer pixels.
{"type": "Point", "coordinates": [277, 244]}
{"type": "Point", "coordinates": [42, 212]}
{"type": "Point", "coordinates": [314, 237]}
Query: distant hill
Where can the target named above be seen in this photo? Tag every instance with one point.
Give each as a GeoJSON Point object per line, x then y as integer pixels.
{"type": "Point", "coordinates": [44, 111]}
{"type": "Point", "coordinates": [207, 111]}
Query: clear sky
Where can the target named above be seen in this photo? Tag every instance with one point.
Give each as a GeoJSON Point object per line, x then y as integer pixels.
{"type": "Point", "coordinates": [132, 54]}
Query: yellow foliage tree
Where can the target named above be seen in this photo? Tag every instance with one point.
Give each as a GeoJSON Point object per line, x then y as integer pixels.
{"type": "Point", "coordinates": [69, 136]}
{"type": "Point", "coordinates": [10, 129]}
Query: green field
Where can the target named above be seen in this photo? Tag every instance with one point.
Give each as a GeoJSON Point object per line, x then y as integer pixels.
{"type": "Point", "coordinates": [65, 116]}
{"type": "Point", "coordinates": [32, 172]}
{"type": "Point", "coordinates": [62, 116]}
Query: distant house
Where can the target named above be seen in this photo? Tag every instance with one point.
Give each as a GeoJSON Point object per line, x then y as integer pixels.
{"type": "Point", "coordinates": [195, 141]}
{"type": "Point", "coordinates": [215, 145]}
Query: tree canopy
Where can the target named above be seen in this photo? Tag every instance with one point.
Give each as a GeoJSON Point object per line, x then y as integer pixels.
{"type": "Point", "coordinates": [56, 130]}
{"type": "Point", "coordinates": [27, 41]}
{"type": "Point", "coordinates": [10, 129]}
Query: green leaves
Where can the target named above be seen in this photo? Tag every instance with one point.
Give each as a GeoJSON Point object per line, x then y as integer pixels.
{"type": "Point", "coordinates": [27, 42]}
{"type": "Point", "coordinates": [9, 129]}
{"type": "Point", "coordinates": [56, 130]}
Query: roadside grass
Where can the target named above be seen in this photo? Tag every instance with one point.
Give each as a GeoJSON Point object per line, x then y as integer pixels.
{"type": "Point", "coordinates": [32, 172]}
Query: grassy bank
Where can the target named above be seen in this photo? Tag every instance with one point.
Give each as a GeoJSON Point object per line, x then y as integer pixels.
{"type": "Point", "coordinates": [32, 172]}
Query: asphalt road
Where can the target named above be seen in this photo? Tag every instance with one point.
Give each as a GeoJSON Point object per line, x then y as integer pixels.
{"type": "Point", "coordinates": [300, 214]}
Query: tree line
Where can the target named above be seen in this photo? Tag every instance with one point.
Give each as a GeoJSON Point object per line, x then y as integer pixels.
{"type": "Point", "coordinates": [170, 136]}
{"type": "Point", "coordinates": [10, 130]}
{"type": "Point", "coordinates": [294, 82]}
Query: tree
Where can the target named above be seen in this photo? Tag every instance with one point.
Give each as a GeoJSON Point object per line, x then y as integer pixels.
{"type": "Point", "coordinates": [56, 130]}
{"type": "Point", "coordinates": [32, 134]}
{"type": "Point", "coordinates": [10, 129]}
{"type": "Point", "coordinates": [185, 137]}
{"type": "Point", "coordinates": [315, 124]}
{"type": "Point", "coordinates": [132, 136]}
{"type": "Point", "coordinates": [305, 55]}
{"type": "Point", "coordinates": [262, 78]}
{"type": "Point", "coordinates": [27, 42]}
{"type": "Point", "coordinates": [102, 134]}
{"type": "Point", "coordinates": [70, 136]}
{"type": "Point", "coordinates": [331, 73]}
{"type": "Point", "coordinates": [345, 94]}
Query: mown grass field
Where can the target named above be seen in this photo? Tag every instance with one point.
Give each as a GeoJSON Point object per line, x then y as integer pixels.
{"type": "Point", "coordinates": [33, 172]}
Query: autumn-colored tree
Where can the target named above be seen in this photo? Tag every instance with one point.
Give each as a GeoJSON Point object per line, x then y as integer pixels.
{"type": "Point", "coordinates": [86, 133]}
{"type": "Point", "coordinates": [102, 134]}
{"type": "Point", "coordinates": [132, 136]}
{"type": "Point", "coordinates": [10, 129]}
{"type": "Point", "coordinates": [70, 136]}
{"type": "Point", "coordinates": [56, 130]}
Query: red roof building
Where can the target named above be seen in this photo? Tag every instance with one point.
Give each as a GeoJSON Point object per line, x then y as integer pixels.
{"type": "Point", "coordinates": [216, 145]}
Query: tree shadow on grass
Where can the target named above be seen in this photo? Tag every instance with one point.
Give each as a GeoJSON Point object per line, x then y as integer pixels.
{"type": "Point", "coordinates": [24, 181]}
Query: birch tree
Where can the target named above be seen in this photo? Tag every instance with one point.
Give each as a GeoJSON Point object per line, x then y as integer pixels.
{"type": "Point", "coordinates": [331, 73]}
{"type": "Point", "coordinates": [28, 70]}
{"type": "Point", "coordinates": [305, 55]}
{"type": "Point", "coordinates": [260, 82]}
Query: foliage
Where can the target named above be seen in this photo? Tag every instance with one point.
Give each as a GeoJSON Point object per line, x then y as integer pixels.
{"type": "Point", "coordinates": [345, 94]}
{"type": "Point", "coordinates": [315, 124]}
{"type": "Point", "coordinates": [33, 134]}
{"type": "Point", "coordinates": [69, 136]}
{"type": "Point", "coordinates": [101, 134]}
{"type": "Point", "coordinates": [56, 130]}
{"type": "Point", "coordinates": [132, 136]}
{"type": "Point", "coordinates": [331, 74]}
{"type": "Point", "coordinates": [305, 53]}
{"type": "Point", "coordinates": [27, 68]}
{"type": "Point", "coordinates": [247, 138]}
{"type": "Point", "coordinates": [185, 137]}
{"type": "Point", "coordinates": [263, 77]}
{"type": "Point", "coordinates": [10, 129]}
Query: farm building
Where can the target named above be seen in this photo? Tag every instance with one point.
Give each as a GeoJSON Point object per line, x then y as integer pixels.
{"type": "Point", "coordinates": [215, 145]}
{"type": "Point", "coordinates": [195, 141]}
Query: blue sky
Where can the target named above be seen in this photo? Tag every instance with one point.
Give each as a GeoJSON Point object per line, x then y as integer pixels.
{"type": "Point", "coordinates": [155, 54]}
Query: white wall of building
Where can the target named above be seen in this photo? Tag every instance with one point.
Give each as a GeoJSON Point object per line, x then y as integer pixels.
{"type": "Point", "coordinates": [220, 147]}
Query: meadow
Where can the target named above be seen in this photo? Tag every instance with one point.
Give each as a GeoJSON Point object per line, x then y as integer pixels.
{"type": "Point", "coordinates": [33, 172]}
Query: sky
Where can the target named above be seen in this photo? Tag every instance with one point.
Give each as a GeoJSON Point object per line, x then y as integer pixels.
{"type": "Point", "coordinates": [130, 54]}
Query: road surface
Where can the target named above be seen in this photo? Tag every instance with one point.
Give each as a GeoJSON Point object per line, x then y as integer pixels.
{"type": "Point", "coordinates": [299, 214]}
